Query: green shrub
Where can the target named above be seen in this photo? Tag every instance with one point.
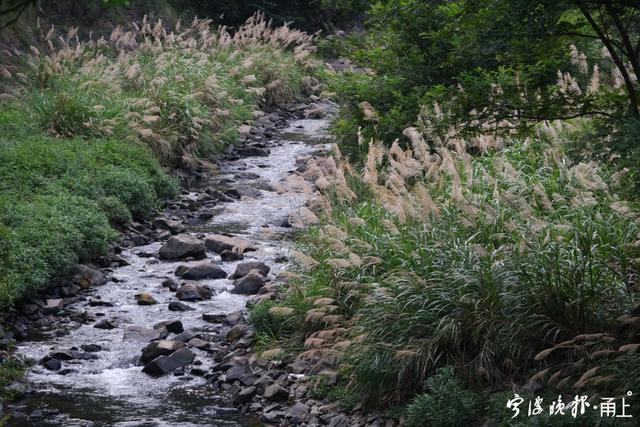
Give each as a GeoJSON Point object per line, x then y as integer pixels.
{"type": "Point", "coordinates": [445, 403]}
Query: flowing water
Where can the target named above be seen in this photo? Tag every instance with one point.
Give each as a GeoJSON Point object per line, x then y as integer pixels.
{"type": "Point", "coordinates": [112, 390]}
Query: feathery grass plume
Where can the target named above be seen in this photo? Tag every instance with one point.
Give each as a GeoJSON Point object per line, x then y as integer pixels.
{"type": "Point", "coordinates": [185, 71]}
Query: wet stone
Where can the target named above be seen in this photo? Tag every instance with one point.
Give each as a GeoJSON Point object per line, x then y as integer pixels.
{"type": "Point", "coordinates": [244, 396]}
{"type": "Point", "coordinates": [276, 393]}
{"type": "Point", "coordinates": [103, 324]}
{"type": "Point", "coordinates": [145, 298]}
{"type": "Point", "coordinates": [249, 284]}
{"type": "Point", "coordinates": [192, 292]}
{"type": "Point", "coordinates": [245, 268]}
{"type": "Point", "coordinates": [160, 348]}
{"type": "Point", "coordinates": [53, 306]}
{"type": "Point", "coordinates": [173, 326]}
{"type": "Point", "coordinates": [179, 306]}
{"type": "Point", "coordinates": [199, 271]}
{"type": "Point", "coordinates": [141, 333]}
{"type": "Point", "coordinates": [51, 364]}
{"type": "Point", "coordinates": [171, 284]}
{"type": "Point", "coordinates": [182, 246]}
{"type": "Point", "coordinates": [97, 302]}
{"type": "Point", "coordinates": [91, 348]}
{"type": "Point", "coordinates": [164, 364]}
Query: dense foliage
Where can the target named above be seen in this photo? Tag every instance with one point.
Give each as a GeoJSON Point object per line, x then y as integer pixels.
{"type": "Point", "coordinates": [481, 231]}
{"type": "Point", "coordinates": [490, 64]}
{"type": "Point", "coordinates": [86, 125]}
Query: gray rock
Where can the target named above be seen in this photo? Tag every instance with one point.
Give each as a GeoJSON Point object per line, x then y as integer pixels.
{"type": "Point", "coordinates": [245, 268]}
{"type": "Point", "coordinates": [97, 302]}
{"type": "Point", "coordinates": [91, 348]}
{"type": "Point", "coordinates": [144, 298]}
{"type": "Point", "coordinates": [174, 226]}
{"type": "Point", "coordinates": [219, 243]}
{"type": "Point", "coordinates": [276, 393]}
{"type": "Point", "coordinates": [53, 306]}
{"type": "Point", "coordinates": [238, 373]}
{"type": "Point", "coordinates": [173, 326]}
{"type": "Point", "coordinates": [230, 256]}
{"type": "Point", "coordinates": [103, 324]}
{"type": "Point", "coordinates": [182, 246]}
{"type": "Point", "coordinates": [298, 412]}
{"type": "Point", "coordinates": [86, 277]}
{"type": "Point", "coordinates": [192, 292]}
{"type": "Point", "coordinates": [236, 332]}
{"type": "Point", "coordinates": [179, 306]}
{"type": "Point", "coordinates": [248, 190]}
{"type": "Point", "coordinates": [164, 364]}
{"type": "Point", "coordinates": [51, 364]}
{"type": "Point", "coordinates": [198, 343]}
{"type": "Point", "coordinates": [142, 334]}
{"type": "Point", "coordinates": [184, 337]}
{"type": "Point", "coordinates": [339, 420]}
{"type": "Point", "coordinates": [249, 284]}
{"type": "Point", "coordinates": [214, 317]}
{"type": "Point", "coordinates": [61, 354]}
{"type": "Point", "coordinates": [245, 396]}
{"type": "Point", "coordinates": [199, 271]}
{"type": "Point", "coordinates": [160, 348]}
{"type": "Point", "coordinates": [171, 284]}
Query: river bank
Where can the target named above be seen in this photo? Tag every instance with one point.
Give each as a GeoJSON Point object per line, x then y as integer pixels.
{"type": "Point", "coordinates": [86, 336]}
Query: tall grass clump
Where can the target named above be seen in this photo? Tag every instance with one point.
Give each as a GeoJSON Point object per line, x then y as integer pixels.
{"type": "Point", "coordinates": [182, 92]}
{"type": "Point", "coordinates": [87, 128]}
{"type": "Point", "coordinates": [487, 263]}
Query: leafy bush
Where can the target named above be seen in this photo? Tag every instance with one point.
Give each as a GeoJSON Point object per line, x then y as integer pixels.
{"type": "Point", "coordinates": [445, 403]}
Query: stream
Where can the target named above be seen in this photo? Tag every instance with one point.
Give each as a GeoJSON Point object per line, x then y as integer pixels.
{"type": "Point", "coordinates": [112, 390]}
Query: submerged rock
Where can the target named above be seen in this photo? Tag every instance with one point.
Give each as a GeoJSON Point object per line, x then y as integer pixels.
{"type": "Point", "coordinates": [182, 246]}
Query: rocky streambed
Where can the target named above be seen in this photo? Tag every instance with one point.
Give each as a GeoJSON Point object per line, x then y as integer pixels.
{"type": "Point", "coordinates": [156, 333]}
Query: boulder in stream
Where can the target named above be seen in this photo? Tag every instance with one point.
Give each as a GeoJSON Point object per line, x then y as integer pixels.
{"type": "Point", "coordinates": [219, 243]}
{"type": "Point", "coordinates": [140, 333]}
{"type": "Point", "coordinates": [182, 246]}
{"type": "Point", "coordinates": [199, 271]}
{"type": "Point", "coordinates": [193, 292]}
{"type": "Point", "coordinates": [245, 267]}
{"type": "Point", "coordinates": [144, 298]}
{"type": "Point", "coordinates": [162, 365]}
{"type": "Point", "coordinates": [86, 277]}
{"type": "Point", "coordinates": [173, 326]}
{"type": "Point", "coordinates": [249, 284]}
{"type": "Point", "coordinates": [160, 348]}
{"type": "Point", "coordinates": [179, 306]}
